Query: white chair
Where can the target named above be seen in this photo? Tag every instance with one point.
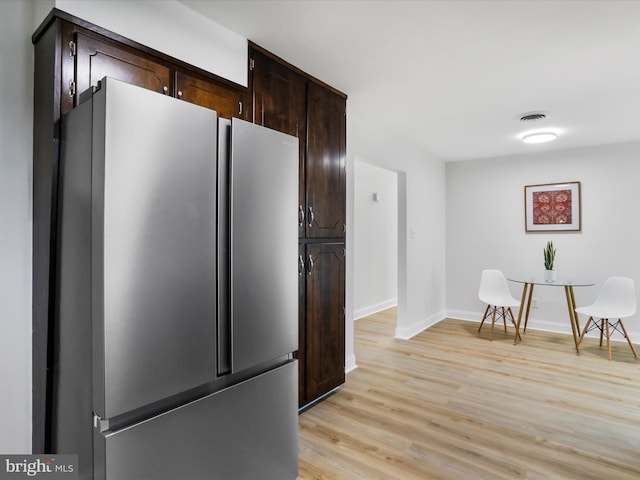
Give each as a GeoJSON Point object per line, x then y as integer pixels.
{"type": "Point", "coordinates": [494, 291]}
{"type": "Point", "coordinates": [616, 300]}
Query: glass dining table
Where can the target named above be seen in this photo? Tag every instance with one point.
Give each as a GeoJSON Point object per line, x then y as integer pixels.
{"type": "Point", "coordinates": [527, 295]}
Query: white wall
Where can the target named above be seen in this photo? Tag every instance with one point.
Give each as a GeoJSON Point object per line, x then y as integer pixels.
{"type": "Point", "coordinates": [485, 228]}
{"type": "Point", "coordinates": [375, 239]}
{"type": "Point", "coordinates": [16, 127]}
{"type": "Point", "coordinates": [171, 28]}
{"type": "Point", "coordinates": [421, 226]}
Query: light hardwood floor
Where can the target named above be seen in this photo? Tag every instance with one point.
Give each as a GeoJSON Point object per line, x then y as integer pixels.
{"type": "Point", "coordinates": [449, 404]}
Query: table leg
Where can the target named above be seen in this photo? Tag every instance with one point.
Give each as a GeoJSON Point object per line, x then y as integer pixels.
{"type": "Point", "coordinates": [525, 289]}
{"type": "Point", "coordinates": [573, 309]}
{"type": "Point", "coordinates": [526, 318]}
{"type": "Point", "coordinates": [573, 316]}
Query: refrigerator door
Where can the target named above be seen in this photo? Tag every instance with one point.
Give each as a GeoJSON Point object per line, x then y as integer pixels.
{"type": "Point", "coordinates": [246, 432]}
{"type": "Point", "coordinates": [264, 244]}
{"type": "Point", "coordinates": [154, 247]}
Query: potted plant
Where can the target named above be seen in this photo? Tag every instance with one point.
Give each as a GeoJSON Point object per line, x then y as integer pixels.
{"type": "Point", "coordinates": [549, 257]}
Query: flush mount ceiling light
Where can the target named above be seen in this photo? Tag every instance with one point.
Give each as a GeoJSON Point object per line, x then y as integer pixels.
{"type": "Point", "coordinates": [539, 137]}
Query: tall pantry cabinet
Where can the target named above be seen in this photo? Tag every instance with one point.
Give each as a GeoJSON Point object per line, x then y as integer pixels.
{"type": "Point", "coordinates": [286, 99]}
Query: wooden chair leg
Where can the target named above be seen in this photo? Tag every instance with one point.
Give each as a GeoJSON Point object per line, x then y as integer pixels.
{"type": "Point", "coordinates": [493, 322]}
{"type": "Point", "coordinates": [504, 320]}
{"type": "Point", "coordinates": [606, 322]}
{"type": "Point", "coordinates": [635, 354]}
{"type": "Point", "coordinates": [484, 317]}
{"type": "Point", "coordinates": [586, 327]}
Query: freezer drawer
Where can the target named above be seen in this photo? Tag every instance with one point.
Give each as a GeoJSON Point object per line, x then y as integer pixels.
{"type": "Point", "coordinates": [246, 432]}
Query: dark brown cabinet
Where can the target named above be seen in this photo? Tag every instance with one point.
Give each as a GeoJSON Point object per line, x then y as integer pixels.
{"type": "Point", "coordinates": [286, 99]}
{"type": "Point", "coordinates": [96, 58]}
{"type": "Point", "coordinates": [321, 311]}
{"type": "Point", "coordinates": [325, 172]}
{"type": "Point", "coordinates": [227, 101]}
{"type": "Point", "coordinates": [270, 83]}
{"type": "Point", "coordinates": [70, 56]}
{"type": "Point", "coordinates": [324, 319]}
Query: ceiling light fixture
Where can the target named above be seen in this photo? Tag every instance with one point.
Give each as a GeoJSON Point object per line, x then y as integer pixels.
{"type": "Point", "coordinates": [539, 137]}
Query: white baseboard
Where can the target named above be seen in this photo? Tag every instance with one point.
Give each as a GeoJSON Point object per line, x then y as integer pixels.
{"type": "Point", "coordinates": [543, 325]}
{"type": "Point", "coordinates": [350, 364]}
{"type": "Point", "coordinates": [405, 333]}
{"type": "Point", "coordinates": [371, 309]}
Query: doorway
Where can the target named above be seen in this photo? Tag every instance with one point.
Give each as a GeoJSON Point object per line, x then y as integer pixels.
{"type": "Point", "coordinates": [376, 233]}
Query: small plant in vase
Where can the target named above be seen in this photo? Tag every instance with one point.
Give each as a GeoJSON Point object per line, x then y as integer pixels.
{"type": "Point", "coordinates": [549, 257]}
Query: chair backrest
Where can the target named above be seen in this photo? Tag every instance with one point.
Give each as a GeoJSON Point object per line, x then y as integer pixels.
{"type": "Point", "coordinates": [493, 288]}
{"type": "Point", "coordinates": [617, 298]}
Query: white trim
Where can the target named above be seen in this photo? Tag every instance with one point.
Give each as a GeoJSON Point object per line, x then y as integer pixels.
{"type": "Point", "coordinates": [350, 364]}
{"type": "Point", "coordinates": [406, 333]}
{"type": "Point", "coordinates": [378, 307]}
{"type": "Point", "coordinates": [543, 325]}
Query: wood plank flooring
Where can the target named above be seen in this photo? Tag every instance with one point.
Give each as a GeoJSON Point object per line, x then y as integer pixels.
{"type": "Point", "coordinates": [449, 404]}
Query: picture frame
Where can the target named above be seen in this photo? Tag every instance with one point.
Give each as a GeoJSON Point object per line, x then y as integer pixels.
{"type": "Point", "coordinates": [553, 207]}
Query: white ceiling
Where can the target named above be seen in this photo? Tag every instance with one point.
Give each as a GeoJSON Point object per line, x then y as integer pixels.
{"type": "Point", "coordinates": [454, 77]}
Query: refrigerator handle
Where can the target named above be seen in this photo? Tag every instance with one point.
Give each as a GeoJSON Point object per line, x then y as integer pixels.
{"type": "Point", "coordinates": [224, 326]}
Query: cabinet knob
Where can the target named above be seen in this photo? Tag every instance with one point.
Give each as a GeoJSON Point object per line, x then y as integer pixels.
{"type": "Point", "coordinates": [165, 89]}
{"type": "Point", "coordinates": [180, 93]}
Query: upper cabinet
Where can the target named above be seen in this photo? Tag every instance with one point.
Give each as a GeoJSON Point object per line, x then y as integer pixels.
{"type": "Point", "coordinates": [270, 82]}
{"type": "Point", "coordinates": [97, 58]}
{"type": "Point", "coordinates": [88, 56]}
{"type": "Point", "coordinates": [228, 101]}
{"type": "Point", "coordinates": [286, 100]}
{"type": "Point", "coordinates": [325, 166]}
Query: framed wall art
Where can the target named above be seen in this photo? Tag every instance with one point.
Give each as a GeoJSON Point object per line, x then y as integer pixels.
{"type": "Point", "coordinates": [554, 207]}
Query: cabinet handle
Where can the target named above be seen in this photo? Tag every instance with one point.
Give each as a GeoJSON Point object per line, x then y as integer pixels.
{"type": "Point", "coordinates": [239, 108]}
{"type": "Point", "coordinates": [310, 265]}
{"type": "Point", "coordinates": [72, 88]}
{"type": "Point", "coordinates": [300, 215]}
{"type": "Point", "coordinates": [300, 265]}
{"type": "Point", "coordinates": [310, 216]}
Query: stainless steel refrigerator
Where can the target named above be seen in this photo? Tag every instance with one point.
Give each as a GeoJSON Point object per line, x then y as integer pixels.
{"type": "Point", "coordinates": [176, 312]}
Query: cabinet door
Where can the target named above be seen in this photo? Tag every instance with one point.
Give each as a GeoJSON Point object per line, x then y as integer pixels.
{"type": "Point", "coordinates": [325, 166]}
{"type": "Point", "coordinates": [96, 59]}
{"type": "Point", "coordinates": [227, 100]}
{"type": "Point", "coordinates": [324, 318]}
{"type": "Point", "coordinates": [279, 102]}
